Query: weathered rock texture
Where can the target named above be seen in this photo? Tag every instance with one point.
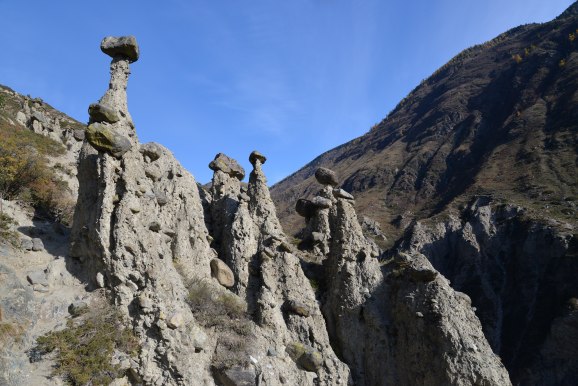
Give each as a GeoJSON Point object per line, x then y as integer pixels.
{"type": "Point", "coordinates": [140, 231]}
{"type": "Point", "coordinates": [402, 312]}
{"type": "Point", "coordinates": [519, 274]}
{"type": "Point", "coordinates": [113, 236]}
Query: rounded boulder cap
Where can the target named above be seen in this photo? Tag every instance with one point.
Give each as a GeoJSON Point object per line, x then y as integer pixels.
{"type": "Point", "coordinates": [326, 177]}
{"type": "Point", "coordinates": [124, 46]}
{"type": "Point", "coordinates": [255, 155]}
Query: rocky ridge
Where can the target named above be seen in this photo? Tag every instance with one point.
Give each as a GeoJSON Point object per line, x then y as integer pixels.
{"type": "Point", "coordinates": [157, 242]}
{"type": "Point", "coordinates": [26, 113]}
{"type": "Point", "coordinates": [476, 170]}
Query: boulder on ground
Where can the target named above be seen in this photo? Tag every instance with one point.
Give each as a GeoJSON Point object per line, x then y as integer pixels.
{"type": "Point", "coordinates": [78, 308]}
{"type": "Point", "coordinates": [26, 244]}
{"type": "Point", "coordinates": [37, 277]}
{"type": "Point", "coordinates": [237, 376]}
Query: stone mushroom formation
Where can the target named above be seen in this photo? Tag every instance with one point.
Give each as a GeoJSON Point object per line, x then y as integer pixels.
{"type": "Point", "coordinates": [216, 293]}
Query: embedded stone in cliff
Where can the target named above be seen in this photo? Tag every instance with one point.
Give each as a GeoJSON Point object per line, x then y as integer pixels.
{"type": "Point", "coordinates": [227, 165]}
{"type": "Point", "coordinates": [175, 321]}
{"type": "Point", "coordinates": [102, 113]}
{"type": "Point", "coordinates": [152, 150]}
{"type": "Point", "coordinates": [305, 208]}
{"type": "Point", "coordinates": [161, 197]}
{"type": "Point", "coordinates": [321, 202]}
{"type": "Point", "coordinates": [124, 46]}
{"type": "Point", "coordinates": [326, 177]}
{"type": "Point", "coordinates": [106, 140]}
{"type": "Point", "coordinates": [340, 193]}
{"type": "Point", "coordinates": [78, 134]}
{"type": "Point", "coordinates": [305, 356]}
{"type": "Point", "coordinates": [255, 155]}
{"type": "Point", "coordinates": [222, 273]}
{"type": "Point", "coordinates": [38, 116]}
{"type": "Point", "coordinates": [237, 376]}
{"type": "Point", "coordinates": [297, 308]}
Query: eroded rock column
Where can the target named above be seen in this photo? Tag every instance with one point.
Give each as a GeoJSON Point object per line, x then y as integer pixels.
{"type": "Point", "coordinates": [139, 231]}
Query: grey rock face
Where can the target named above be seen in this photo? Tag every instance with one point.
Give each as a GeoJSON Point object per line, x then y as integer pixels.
{"type": "Point", "coordinates": [26, 244]}
{"type": "Point", "coordinates": [147, 269]}
{"type": "Point", "coordinates": [484, 252]}
{"type": "Point", "coordinates": [321, 202]}
{"type": "Point", "coordinates": [369, 307]}
{"type": "Point", "coordinates": [125, 47]}
{"type": "Point", "coordinates": [227, 165]}
{"type": "Point", "coordinates": [326, 177]}
{"type": "Point", "coordinates": [37, 244]}
{"type": "Point", "coordinates": [141, 233]}
{"type": "Point", "coordinates": [37, 277]}
{"type": "Point", "coordinates": [111, 236]}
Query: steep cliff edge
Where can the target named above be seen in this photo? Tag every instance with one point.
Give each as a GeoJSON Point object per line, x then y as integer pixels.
{"type": "Point", "coordinates": [519, 274]}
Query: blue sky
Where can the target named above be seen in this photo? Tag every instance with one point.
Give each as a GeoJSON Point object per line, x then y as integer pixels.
{"type": "Point", "coordinates": [291, 79]}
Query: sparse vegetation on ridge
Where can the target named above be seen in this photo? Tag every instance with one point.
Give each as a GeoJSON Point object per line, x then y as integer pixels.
{"type": "Point", "coordinates": [25, 173]}
{"type": "Point", "coordinates": [7, 234]}
{"type": "Point", "coordinates": [227, 314]}
{"type": "Point", "coordinates": [84, 349]}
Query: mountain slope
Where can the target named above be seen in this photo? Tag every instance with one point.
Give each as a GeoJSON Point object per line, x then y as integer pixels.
{"type": "Point", "coordinates": [498, 119]}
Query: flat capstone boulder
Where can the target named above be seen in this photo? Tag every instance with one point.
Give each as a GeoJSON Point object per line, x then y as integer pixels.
{"type": "Point", "coordinates": [255, 155]}
{"type": "Point", "coordinates": [227, 165]}
{"type": "Point", "coordinates": [340, 193]}
{"type": "Point", "coordinates": [326, 177]}
{"type": "Point", "coordinates": [123, 46]}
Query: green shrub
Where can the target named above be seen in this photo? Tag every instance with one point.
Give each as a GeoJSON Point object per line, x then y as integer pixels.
{"type": "Point", "coordinates": [7, 234]}
{"type": "Point", "coordinates": [25, 173]}
{"type": "Point", "coordinates": [84, 349]}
